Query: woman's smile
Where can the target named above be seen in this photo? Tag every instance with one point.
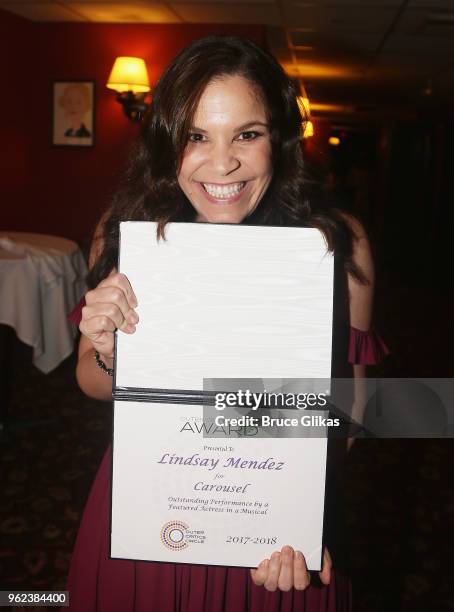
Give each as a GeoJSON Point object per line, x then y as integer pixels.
{"type": "Point", "coordinates": [226, 193]}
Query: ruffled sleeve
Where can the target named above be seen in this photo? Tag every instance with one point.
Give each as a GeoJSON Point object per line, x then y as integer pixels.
{"type": "Point", "coordinates": [75, 316]}
{"type": "Point", "coordinates": [366, 347]}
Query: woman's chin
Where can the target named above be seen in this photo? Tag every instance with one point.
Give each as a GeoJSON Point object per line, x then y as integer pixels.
{"type": "Point", "coordinates": [221, 217]}
{"type": "Point", "coordinates": [215, 213]}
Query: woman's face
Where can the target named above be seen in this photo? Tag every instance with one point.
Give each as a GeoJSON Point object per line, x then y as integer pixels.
{"type": "Point", "coordinates": [226, 166]}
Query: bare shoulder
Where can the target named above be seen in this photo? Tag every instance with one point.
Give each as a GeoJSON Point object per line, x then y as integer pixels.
{"type": "Point", "coordinates": [361, 295]}
{"type": "Point", "coordinates": [97, 242]}
{"type": "Point", "coordinates": [357, 228]}
{"type": "Point", "coordinates": [361, 251]}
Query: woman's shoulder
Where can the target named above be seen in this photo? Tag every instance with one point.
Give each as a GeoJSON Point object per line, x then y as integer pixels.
{"type": "Point", "coordinates": [354, 224]}
{"type": "Point", "coordinates": [361, 254]}
{"type": "Point", "coordinates": [97, 241]}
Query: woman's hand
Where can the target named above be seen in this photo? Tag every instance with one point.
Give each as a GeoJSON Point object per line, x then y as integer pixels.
{"type": "Point", "coordinates": [287, 569]}
{"type": "Point", "coordinates": [109, 307]}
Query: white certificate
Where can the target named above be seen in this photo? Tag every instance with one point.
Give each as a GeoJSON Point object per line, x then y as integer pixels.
{"type": "Point", "coordinates": [181, 497]}
{"type": "Point", "coordinates": [225, 301]}
{"type": "Point", "coordinates": [217, 302]}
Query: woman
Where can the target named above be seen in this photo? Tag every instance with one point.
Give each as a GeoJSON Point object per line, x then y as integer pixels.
{"type": "Point", "coordinates": [220, 144]}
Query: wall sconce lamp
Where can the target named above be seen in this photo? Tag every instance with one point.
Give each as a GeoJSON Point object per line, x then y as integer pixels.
{"type": "Point", "coordinates": [129, 78]}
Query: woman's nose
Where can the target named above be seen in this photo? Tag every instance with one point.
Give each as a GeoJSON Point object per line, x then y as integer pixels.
{"type": "Point", "coordinates": [224, 159]}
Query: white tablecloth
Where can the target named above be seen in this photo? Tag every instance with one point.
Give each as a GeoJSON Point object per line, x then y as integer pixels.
{"type": "Point", "coordinates": [41, 280]}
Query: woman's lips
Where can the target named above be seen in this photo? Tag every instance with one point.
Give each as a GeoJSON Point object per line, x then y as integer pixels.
{"type": "Point", "coordinates": [223, 197]}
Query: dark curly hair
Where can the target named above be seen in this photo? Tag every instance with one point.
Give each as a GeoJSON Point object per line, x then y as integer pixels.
{"type": "Point", "coordinates": [150, 189]}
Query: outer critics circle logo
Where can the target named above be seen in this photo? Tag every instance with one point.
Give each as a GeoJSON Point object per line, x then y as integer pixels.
{"type": "Point", "coordinates": [173, 535]}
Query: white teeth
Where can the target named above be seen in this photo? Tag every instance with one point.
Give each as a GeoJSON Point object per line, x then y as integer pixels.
{"type": "Point", "coordinates": [224, 191]}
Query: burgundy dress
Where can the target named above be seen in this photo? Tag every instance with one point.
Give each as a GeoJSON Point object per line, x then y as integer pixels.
{"type": "Point", "coordinates": [97, 583]}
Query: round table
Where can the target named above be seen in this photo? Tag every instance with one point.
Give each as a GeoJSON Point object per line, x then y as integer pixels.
{"type": "Point", "coordinates": [41, 280]}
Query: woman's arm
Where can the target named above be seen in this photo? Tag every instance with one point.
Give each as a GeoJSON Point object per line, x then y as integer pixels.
{"type": "Point", "coordinates": [109, 306]}
{"type": "Point", "coordinates": [361, 298]}
{"type": "Point", "coordinates": [91, 379]}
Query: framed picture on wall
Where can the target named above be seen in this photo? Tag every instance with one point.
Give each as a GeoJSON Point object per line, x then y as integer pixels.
{"type": "Point", "coordinates": [73, 123]}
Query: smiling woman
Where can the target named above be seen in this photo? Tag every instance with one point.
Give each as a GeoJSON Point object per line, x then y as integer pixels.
{"type": "Point", "coordinates": [224, 120]}
{"type": "Point", "coordinates": [221, 143]}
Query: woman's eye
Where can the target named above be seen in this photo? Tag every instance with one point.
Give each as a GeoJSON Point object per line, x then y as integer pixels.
{"type": "Point", "coordinates": [195, 137]}
{"type": "Point", "coordinates": [248, 135]}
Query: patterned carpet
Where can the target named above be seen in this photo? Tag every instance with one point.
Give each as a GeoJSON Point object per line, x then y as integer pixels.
{"type": "Point", "coordinates": [399, 494]}
{"type": "Point", "coordinates": [46, 473]}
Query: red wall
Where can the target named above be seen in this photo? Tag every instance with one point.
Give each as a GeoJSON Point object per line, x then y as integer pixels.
{"type": "Point", "coordinates": [15, 48]}
{"type": "Point", "coordinates": [62, 190]}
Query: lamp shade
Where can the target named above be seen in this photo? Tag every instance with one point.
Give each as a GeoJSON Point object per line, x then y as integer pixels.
{"type": "Point", "coordinates": [129, 74]}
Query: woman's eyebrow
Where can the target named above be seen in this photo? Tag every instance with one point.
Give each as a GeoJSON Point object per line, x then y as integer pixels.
{"type": "Point", "coordinates": [250, 124]}
{"type": "Point", "coordinates": [245, 126]}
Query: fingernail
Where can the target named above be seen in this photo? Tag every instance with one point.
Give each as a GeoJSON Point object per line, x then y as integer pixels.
{"type": "Point", "coordinates": [133, 317]}
{"type": "Point", "coordinates": [299, 555]}
{"type": "Point", "coordinates": [135, 303]}
{"type": "Point", "coordinates": [130, 329]}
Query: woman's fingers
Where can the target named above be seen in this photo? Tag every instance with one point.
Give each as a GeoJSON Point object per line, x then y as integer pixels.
{"type": "Point", "coordinates": [95, 322]}
{"type": "Point", "coordinates": [285, 581]}
{"type": "Point", "coordinates": [325, 574]}
{"type": "Point", "coordinates": [115, 289]}
{"type": "Point", "coordinates": [285, 570]}
{"type": "Point", "coordinates": [100, 331]}
{"type": "Point", "coordinates": [99, 323]}
{"type": "Point", "coordinates": [96, 314]}
{"type": "Point", "coordinates": [114, 296]}
{"type": "Point", "coordinates": [260, 574]}
{"type": "Point", "coordinates": [274, 569]}
{"type": "Point", "coordinates": [121, 282]}
{"type": "Point", "coordinates": [112, 303]}
{"type": "Point", "coordinates": [301, 577]}
{"type": "Point", "coordinates": [107, 308]}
